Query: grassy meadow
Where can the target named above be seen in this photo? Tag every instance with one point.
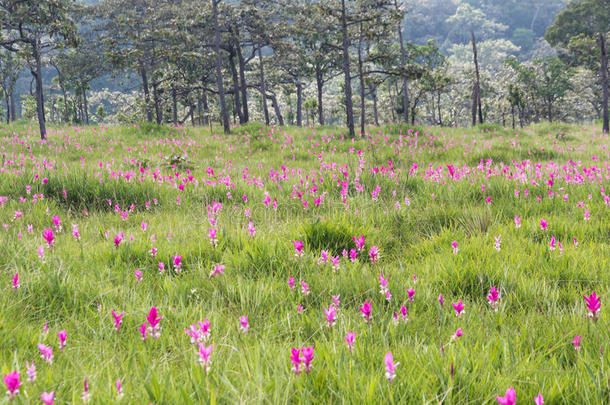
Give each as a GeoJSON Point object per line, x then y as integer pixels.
{"type": "Point", "coordinates": [123, 200]}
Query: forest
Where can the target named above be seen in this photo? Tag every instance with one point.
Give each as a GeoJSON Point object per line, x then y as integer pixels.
{"type": "Point", "coordinates": [305, 62]}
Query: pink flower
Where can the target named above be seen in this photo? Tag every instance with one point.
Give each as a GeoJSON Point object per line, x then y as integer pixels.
{"type": "Point", "coordinates": [118, 320]}
{"type": "Point", "coordinates": [75, 231]}
{"type": "Point", "coordinates": [330, 314]}
{"type": "Point", "coordinates": [498, 242]}
{"type": "Point", "coordinates": [298, 248]}
{"type": "Point", "coordinates": [218, 269]}
{"type": "Point", "coordinates": [295, 358]}
{"type": "Point", "coordinates": [304, 288]}
{"type": "Point", "coordinates": [177, 261]}
{"type": "Point", "coordinates": [359, 242]}
{"type": "Point", "coordinates": [552, 244]}
{"type": "Point", "coordinates": [539, 400]}
{"type": "Point", "coordinates": [390, 366]}
{"type": "Point", "coordinates": [144, 226]}
{"type": "Point", "coordinates": [15, 281]}
{"type": "Point", "coordinates": [161, 266]}
{"type": "Point", "coordinates": [510, 398]}
{"type": "Point", "coordinates": [48, 398]}
{"type": "Point", "coordinates": [299, 309]}
{"type": "Point", "coordinates": [374, 254]}
{"type": "Point", "coordinates": [30, 371]}
{"type": "Point", "coordinates": [336, 300]}
{"type": "Point", "coordinates": [46, 353]}
{"type": "Point", "coordinates": [40, 252]}
{"type": "Point", "coordinates": [86, 395]}
{"type": "Point", "coordinates": [291, 282]}
{"type": "Point", "coordinates": [587, 214]}
{"type": "Point", "coordinates": [118, 239]}
{"type": "Point", "coordinates": [212, 235]}
{"type": "Point", "coordinates": [205, 353]}
{"type": "Point", "coordinates": [138, 275]}
{"type": "Point", "coordinates": [493, 297]}
{"type": "Point", "coordinates": [441, 300]}
{"type": "Point", "coordinates": [383, 282]}
{"type": "Point", "coordinates": [49, 236]}
{"type": "Point", "coordinates": [119, 389]}
{"type": "Point", "coordinates": [243, 324]}
{"type": "Point", "coordinates": [454, 245]}
{"type": "Point", "coordinates": [62, 338]}
{"type": "Point", "coordinates": [251, 229]}
{"type": "Point", "coordinates": [365, 309]}
{"type": "Point", "coordinates": [13, 382]}
{"type": "Point", "coordinates": [350, 338]}
{"type": "Point", "coordinates": [576, 342]}
{"type": "Point", "coordinates": [353, 255]}
{"type": "Point", "coordinates": [458, 333]}
{"type": "Point", "coordinates": [517, 222]}
{"type": "Point", "coordinates": [143, 331]}
{"type": "Point", "coordinates": [543, 224]}
{"type": "Point", "coordinates": [593, 305]}
{"type": "Point", "coordinates": [459, 308]}
{"type": "Point", "coordinates": [410, 294]}
{"type": "Point", "coordinates": [204, 329]}
{"type": "Point", "coordinates": [308, 355]}
{"type": "Point", "coordinates": [153, 320]}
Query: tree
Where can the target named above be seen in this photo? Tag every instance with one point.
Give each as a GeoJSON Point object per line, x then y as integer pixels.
{"type": "Point", "coordinates": [33, 28]}
{"type": "Point", "coordinates": [10, 67]}
{"type": "Point", "coordinates": [586, 19]}
{"type": "Point", "coordinates": [221, 92]}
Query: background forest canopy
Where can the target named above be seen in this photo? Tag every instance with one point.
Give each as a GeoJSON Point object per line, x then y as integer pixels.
{"type": "Point", "coordinates": [304, 62]}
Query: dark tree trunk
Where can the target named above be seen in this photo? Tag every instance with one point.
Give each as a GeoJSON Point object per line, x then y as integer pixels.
{"type": "Point", "coordinates": [405, 79]}
{"type": "Point", "coordinates": [37, 73]}
{"type": "Point", "coordinates": [319, 85]}
{"type": "Point", "coordinates": [193, 115]}
{"type": "Point", "coordinates": [206, 109]}
{"type": "Point", "coordinates": [221, 90]}
{"type": "Point", "coordinates": [263, 90]}
{"type": "Point", "coordinates": [8, 107]}
{"type": "Point", "coordinates": [13, 107]}
{"type": "Point", "coordinates": [349, 109]}
{"type": "Point", "coordinates": [157, 101]}
{"type": "Point", "coordinates": [476, 91]}
{"type": "Point", "coordinates": [276, 108]}
{"type": "Point", "coordinates": [85, 105]}
{"type": "Point", "coordinates": [240, 113]}
{"type": "Point", "coordinates": [373, 92]}
{"type": "Point", "coordinates": [174, 106]}
{"type": "Point", "coordinates": [242, 79]}
{"type": "Point", "coordinates": [199, 111]}
{"type": "Point", "coordinates": [438, 106]}
{"type": "Point", "coordinates": [362, 88]}
{"type": "Point", "coordinates": [299, 104]}
{"type": "Point", "coordinates": [144, 75]}
{"type": "Point", "coordinates": [604, 75]}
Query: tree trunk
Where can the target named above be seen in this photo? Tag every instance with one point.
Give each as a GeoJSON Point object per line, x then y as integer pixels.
{"type": "Point", "coordinates": [373, 92]}
{"type": "Point", "coordinates": [13, 107]}
{"type": "Point", "coordinates": [221, 90]}
{"type": "Point", "coordinates": [276, 108]}
{"type": "Point", "coordinates": [157, 101]}
{"type": "Point", "coordinates": [346, 72]}
{"type": "Point", "coordinates": [240, 113]}
{"type": "Point", "coordinates": [206, 109]}
{"type": "Point", "coordinates": [85, 105]}
{"type": "Point", "coordinates": [263, 90]}
{"type": "Point", "coordinates": [476, 92]}
{"type": "Point", "coordinates": [299, 104]}
{"type": "Point", "coordinates": [37, 73]}
{"type": "Point", "coordinates": [362, 88]}
{"type": "Point", "coordinates": [174, 106]}
{"type": "Point", "coordinates": [438, 106]}
{"type": "Point", "coordinates": [8, 107]}
{"type": "Point", "coordinates": [149, 116]}
{"type": "Point", "coordinates": [242, 79]}
{"type": "Point", "coordinates": [604, 75]}
{"type": "Point", "coordinates": [319, 85]}
{"type": "Point", "coordinates": [405, 79]}
{"type": "Point", "coordinates": [199, 111]}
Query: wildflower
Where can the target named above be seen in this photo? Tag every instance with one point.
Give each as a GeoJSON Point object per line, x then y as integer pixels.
{"type": "Point", "coordinates": [30, 371]}
{"type": "Point", "coordinates": [15, 281]}
{"type": "Point", "coordinates": [459, 308]}
{"type": "Point", "coordinates": [510, 398]}
{"type": "Point", "coordinates": [243, 324]}
{"type": "Point", "coordinates": [383, 283]}
{"type": "Point", "coordinates": [493, 297]}
{"type": "Point", "coordinates": [539, 400]}
{"type": "Point", "coordinates": [359, 242]}
{"type": "Point", "coordinates": [552, 244]}
{"type": "Point", "coordinates": [335, 262]}
{"type": "Point", "coordinates": [410, 294]}
{"type": "Point", "coordinates": [454, 245]}
{"type": "Point", "coordinates": [251, 229]}
{"type": "Point", "coordinates": [218, 269]}
{"type": "Point", "coordinates": [48, 398]}
{"type": "Point", "coordinates": [498, 242]}
{"type": "Point", "coordinates": [204, 329]}
{"type": "Point", "coordinates": [161, 266]}
{"type": "Point", "coordinates": [177, 262]}
{"type": "Point", "coordinates": [86, 395]}
{"type": "Point", "coordinates": [330, 314]}
{"type": "Point", "coordinates": [212, 235]}
{"type": "Point", "coordinates": [298, 248]}
{"type": "Point", "coordinates": [374, 254]}
{"type": "Point", "coordinates": [119, 389]}
{"type": "Point", "coordinates": [593, 305]}
{"type": "Point", "coordinates": [13, 382]}
{"type": "Point", "coordinates": [56, 223]}
{"type": "Point", "coordinates": [575, 242]}
{"type": "Point", "coordinates": [117, 320]}
{"type": "Point", "coordinates": [517, 222]}
{"type": "Point", "coordinates": [366, 310]}
{"type": "Point", "coordinates": [304, 288]}
{"type": "Point", "coordinates": [291, 283]}
{"type": "Point", "coordinates": [458, 333]}
{"type": "Point", "coordinates": [336, 300]}
{"type": "Point", "coordinates": [153, 251]}
{"type": "Point", "coordinates": [138, 275]}
{"type": "Point", "coordinates": [543, 225]}
{"type": "Point", "coordinates": [390, 366]}
{"type": "Point", "coordinates": [118, 239]}
{"type": "Point", "coordinates": [49, 237]}
{"type": "Point", "coordinates": [153, 323]}
{"type": "Point", "coordinates": [75, 231]}
{"type": "Point", "coordinates": [143, 331]}
{"type": "Point", "coordinates": [299, 309]}
{"type": "Point", "coordinates": [62, 338]}
{"type": "Point", "coordinates": [46, 353]}
{"type": "Point", "coordinates": [441, 300]}
{"type": "Point", "coordinates": [324, 254]}
{"type": "Point", "coordinates": [308, 356]}
{"type": "Point", "coordinates": [295, 358]}
{"type": "Point", "coordinates": [576, 342]}
{"type": "Point", "coordinates": [40, 252]}
{"type": "Point", "coordinates": [204, 355]}
{"type": "Point", "coordinates": [353, 255]}
{"type": "Point", "coordinates": [587, 214]}
{"type": "Point", "coordinates": [350, 338]}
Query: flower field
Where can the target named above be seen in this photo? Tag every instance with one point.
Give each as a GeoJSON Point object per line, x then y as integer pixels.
{"type": "Point", "coordinates": [295, 265]}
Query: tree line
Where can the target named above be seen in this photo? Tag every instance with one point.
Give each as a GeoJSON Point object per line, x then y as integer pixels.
{"type": "Point", "coordinates": [255, 59]}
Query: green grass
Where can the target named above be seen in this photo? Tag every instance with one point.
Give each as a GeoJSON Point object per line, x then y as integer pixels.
{"type": "Point", "coordinates": [525, 344]}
